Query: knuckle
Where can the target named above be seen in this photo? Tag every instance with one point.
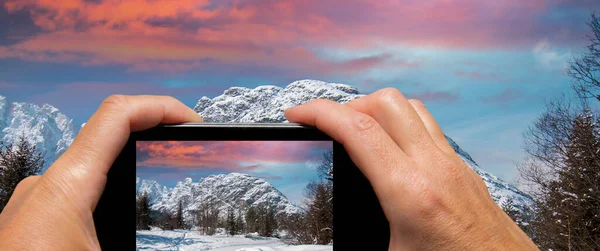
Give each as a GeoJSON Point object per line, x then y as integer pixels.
{"type": "Point", "coordinates": [454, 170]}
{"type": "Point", "coordinates": [431, 201]}
{"type": "Point", "coordinates": [390, 96]}
{"type": "Point", "coordinates": [115, 101]}
{"type": "Point", "coordinates": [363, 122]}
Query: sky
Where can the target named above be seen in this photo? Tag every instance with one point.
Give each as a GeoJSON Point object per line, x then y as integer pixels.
{"type": "Point", "coordinates": [483, 67]}
{"type": "Point", "coordinates": [287, 165]}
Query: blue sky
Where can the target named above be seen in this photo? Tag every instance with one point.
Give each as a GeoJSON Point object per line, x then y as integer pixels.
{"type": "Point", "coordinates": [483, 68]}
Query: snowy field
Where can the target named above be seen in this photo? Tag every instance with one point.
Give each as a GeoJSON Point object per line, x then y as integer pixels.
{"type": "Point", "coordinates": [187, 240]}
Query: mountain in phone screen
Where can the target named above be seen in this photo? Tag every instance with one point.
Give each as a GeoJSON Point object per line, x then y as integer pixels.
{"type": "Point", "coordinates": [234, 195]}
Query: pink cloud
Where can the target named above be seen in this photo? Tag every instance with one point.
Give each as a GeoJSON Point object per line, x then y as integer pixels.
{"type": "Point", "coordinates": [434, 96]}
{"type": "Point", "coordinates": [176, 35]}
{"type": "Point", "coordinates": [6, 85]}
{"type": "Point", "coordinates": [226, 155]}
{"type": "Point", "coordinates": [503, 97]}
{"type": "Point", "coordinates": [477, 75]}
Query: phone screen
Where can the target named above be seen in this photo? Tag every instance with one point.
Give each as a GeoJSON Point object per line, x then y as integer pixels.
{"type": "Point", "coordinates": [234, 195]}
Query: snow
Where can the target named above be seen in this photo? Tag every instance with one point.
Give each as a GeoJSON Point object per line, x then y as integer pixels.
{"type": "Point", "coordinates": [267, 103]}
{"type": "Point", "coordinates": [225, 190]}
{"type": "Point", "coordinates": [45, 127]}
{"type": "Point", "coordinates": [190, 240]}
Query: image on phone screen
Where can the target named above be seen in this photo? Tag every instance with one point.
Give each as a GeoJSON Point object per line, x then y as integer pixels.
{"type": "Point", "coordinates": [234, 195]}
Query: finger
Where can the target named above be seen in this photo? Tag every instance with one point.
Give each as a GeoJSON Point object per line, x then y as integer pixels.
{"type": "Point", "coordinates": [368, 145]}
{"type": "Point", "coordinates": [398, 118]}
{"type": "Point", "coordinates": [432, 126]}
{"type": "Point", "coordinates": [86, 162]}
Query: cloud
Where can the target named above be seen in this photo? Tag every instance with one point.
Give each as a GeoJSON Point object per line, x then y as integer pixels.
{"type": "Point", "coordinates": [271, 177]}
{"type": "Point", "coordinates": [505, 96]}
{"type": "Point", "coordinates": [6, 85]}
{"type": "Point", "coordinates": [312, 164]}
{"type": "Point", "coordinates": [548, 57]}
{"type": "Point", "coordinates": [477, 75]}
{"type": "Point", "coordinates": [434, 96]}
{"type": "Point", "coordinates": [186, 35]}
{"type": "Point", "coordinates": [227, 155]}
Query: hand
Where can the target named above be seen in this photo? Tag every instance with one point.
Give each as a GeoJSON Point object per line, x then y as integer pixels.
{"type": "Point", "coordinates": [54, 211]}
{"type": "Point", "coordinates": [431, 198]}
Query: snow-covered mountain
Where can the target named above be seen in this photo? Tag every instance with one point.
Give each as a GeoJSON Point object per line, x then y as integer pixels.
{"type": "Point", "coordinates": [224, 191]}
{"type": "Point", "coordinates": [150, 187]}
{"type": "Point", "coordinates": [52, 132]}
{"type": "Point", "coordinates": [45, 127]}
{"type": "Point", "coordinates": [268, 103]}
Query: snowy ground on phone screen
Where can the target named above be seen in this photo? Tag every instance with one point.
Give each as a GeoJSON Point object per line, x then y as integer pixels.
{"type": "Point", "coordinates": [190, 240]}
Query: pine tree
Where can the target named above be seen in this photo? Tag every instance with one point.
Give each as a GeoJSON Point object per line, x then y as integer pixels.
{"type": "Point", "coordinates": [521, 217]}
{"type": "Point", "coordinates": [569, 200]}
{"type": "Point", "coordinates": [239, 223]}
{"type": "Point", "coordinates": [17, 162]}
{"type": "Point", "coordinates": [576, 195]}
{"type": "Point", "coordinates": [143, 212]}
{"type": "Point", "coordinates": [179, 221]}
{"type": "Point", "coordinates": [230, 226]}
{"type": "Point", "coordinates": [270, 224]}
{"type": "Point", "coordinates": [320, 212]}
{"type": "Point", "coordinates": [252, 225]}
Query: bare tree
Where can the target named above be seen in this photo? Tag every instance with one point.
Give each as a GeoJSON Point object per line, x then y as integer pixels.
{"type": "Point", "coordinates": [585, 69]}
{"type": "Point", "coordinates": [325, 169]}
{"type": "Point", "coordinates": [207, 217]}
{"type": "Point", "coordinates": [545, 143]}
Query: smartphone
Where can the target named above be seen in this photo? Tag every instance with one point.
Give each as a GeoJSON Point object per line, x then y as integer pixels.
{"type": "Point", "coordinates": [207, 186]}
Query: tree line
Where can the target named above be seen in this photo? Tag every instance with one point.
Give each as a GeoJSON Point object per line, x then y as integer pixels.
{"type": "Point", "coordinates": [255, 219]}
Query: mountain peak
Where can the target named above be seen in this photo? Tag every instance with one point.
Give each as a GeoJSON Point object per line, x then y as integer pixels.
{"type": "Point", "coordinates": [45, 127]}
{"type": "Point", "coordinates": [267, 103]}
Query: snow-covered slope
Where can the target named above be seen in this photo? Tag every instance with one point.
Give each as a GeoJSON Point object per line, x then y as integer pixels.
{"type": "Point", "coordinates": [193, 240]}
{"type": "Point", "coordinates": [224, 191]}
{"type": "Point", "coordinates": [45, 127]}
{"type": "Point", "coordinates": [154, 190]}
{"type": "Point", "coordinates": [267, 104]}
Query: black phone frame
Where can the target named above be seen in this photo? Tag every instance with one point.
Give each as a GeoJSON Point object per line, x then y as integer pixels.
{"type": "Point", "coordinates": [359, 221]}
